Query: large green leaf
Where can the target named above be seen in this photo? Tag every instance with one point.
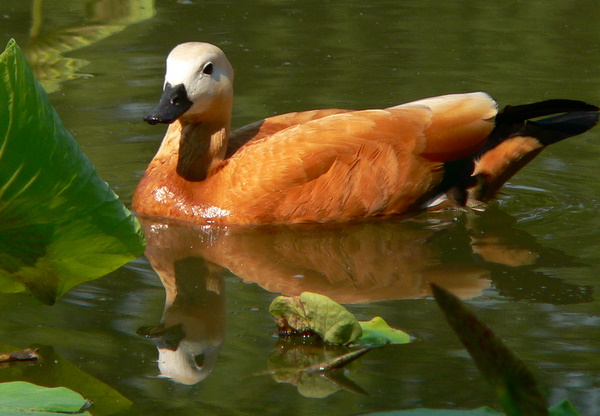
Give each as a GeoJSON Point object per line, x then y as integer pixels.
{"type": "Point", "coordinates": [20, 398]}
{"type": "Point", "coordinates": [60, 224]}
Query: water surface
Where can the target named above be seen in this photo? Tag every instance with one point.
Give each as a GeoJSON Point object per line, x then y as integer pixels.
{"type": "Point", "coordinates": [528, 266]}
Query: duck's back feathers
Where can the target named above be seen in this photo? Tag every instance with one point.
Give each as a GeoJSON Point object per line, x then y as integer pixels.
{"type": "Point", "coordinates": [337, 164]}
{"type": "Point", "coordinates": [342, 166]}
{"type": "Point", "coordinates": [262, 129]}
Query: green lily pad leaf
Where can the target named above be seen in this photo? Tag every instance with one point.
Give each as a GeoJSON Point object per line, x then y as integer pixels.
{"type": "Point", "coordinates": [482, 411]}
{"type": "Point", "coordinates": [60, 224]}
{"type": "Point", "coordinates": [289, 315]}
{"type": "Point", "coordinates": [377, 332]}
{"type": "Point", "coordinates": [20, 397]}
{"type": "Point", "coordinates": [314, 313]}
{"type": "Point", "coordinates": [52, 370]}
{"type": "Point", "coordinates": [334, 323]}
{"type": "Point", "coordinates": [509, 376]}
{"type": "Point", "coordinates": [311, 312]}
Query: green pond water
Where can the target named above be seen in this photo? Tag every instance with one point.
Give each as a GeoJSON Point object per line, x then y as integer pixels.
{"type": "Point", "coordinates": [529, 266]}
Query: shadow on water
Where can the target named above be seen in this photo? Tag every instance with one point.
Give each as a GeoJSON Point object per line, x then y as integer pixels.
{"type": "Point", "coordinates": [351, 263]}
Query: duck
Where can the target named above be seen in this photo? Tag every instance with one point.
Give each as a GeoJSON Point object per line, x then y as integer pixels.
{"type": "Point", "coordinates": [452, 151]}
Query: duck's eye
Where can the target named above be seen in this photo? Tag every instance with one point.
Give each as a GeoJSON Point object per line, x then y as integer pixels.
{"type": "Point", "coordinates": [199, 359]}
{"type": "Point", "coordinates": [208, 68]}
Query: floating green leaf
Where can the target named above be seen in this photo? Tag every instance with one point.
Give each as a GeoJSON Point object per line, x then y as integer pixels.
{"type": "Point", "coordinates": [377, 332]}
{"type": "Point", "coordinates": [60, 224]}
{"type": "Point", "coordinates": [314, 313]}
{"type": "Point", "coordinates": [52, 370]}
{"type": "Point", "coordinates": [20, 397]}
{"type": "Point", "coordinates": [318, 314]}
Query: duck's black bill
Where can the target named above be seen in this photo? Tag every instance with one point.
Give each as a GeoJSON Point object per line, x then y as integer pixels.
{"type": "Point", "coordinates": [173, 103]}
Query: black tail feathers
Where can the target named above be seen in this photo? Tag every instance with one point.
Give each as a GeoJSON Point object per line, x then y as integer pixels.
{"type": "Point", "coordinates": [567, 118]}
{"type": "Point", "coordinates": [474, 181]}
{"type": "Point", "coordinates": [520, 113]}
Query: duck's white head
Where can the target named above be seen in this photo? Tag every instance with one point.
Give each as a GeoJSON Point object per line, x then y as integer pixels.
{"type": "Point", "coordinates": [198, 85]}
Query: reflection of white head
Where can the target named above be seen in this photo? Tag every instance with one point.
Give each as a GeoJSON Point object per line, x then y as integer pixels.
{"type": "Point", "coordinates": [190, 363]}
{"type": "Point", "coordinates": [205, 73]}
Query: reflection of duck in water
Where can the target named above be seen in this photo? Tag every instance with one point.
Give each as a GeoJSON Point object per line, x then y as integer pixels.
{"type": "Point", "coordinates": [334, 165]}
{"type": "Point", "coordinates": [192, 330]}
{"type": "Point", "coordinates": [368, 261]}
{"type": "Point", "coordinates": [351, 263]}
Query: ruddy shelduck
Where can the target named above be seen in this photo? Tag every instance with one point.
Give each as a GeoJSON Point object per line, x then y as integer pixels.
{"type": "Point", "coordinates": [449, 151]}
